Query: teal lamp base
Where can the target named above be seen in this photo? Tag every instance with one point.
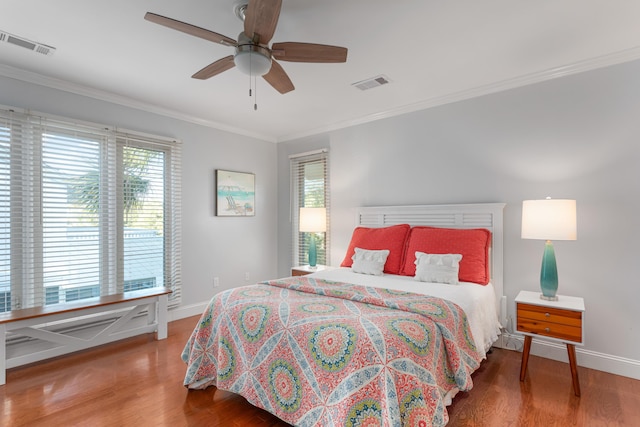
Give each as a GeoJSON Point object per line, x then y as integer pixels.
{"type": "Point", "coordinates": [313, 251]}
{"type": "Point", "coordinates": [549, 274]}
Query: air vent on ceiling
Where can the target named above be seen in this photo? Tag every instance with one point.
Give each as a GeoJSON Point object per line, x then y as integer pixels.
{"type": "Point", "coordinates": [372, 82]}
{"type": "Point", "coordinates": [25, 43]}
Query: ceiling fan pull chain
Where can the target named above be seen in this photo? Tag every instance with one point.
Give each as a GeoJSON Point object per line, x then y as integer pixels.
{"type": "Point", "coordinates": [255, 97]}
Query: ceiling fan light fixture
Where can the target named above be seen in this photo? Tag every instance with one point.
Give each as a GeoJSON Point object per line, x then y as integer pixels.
{"type": "Point", "coordinates": [253, 60]}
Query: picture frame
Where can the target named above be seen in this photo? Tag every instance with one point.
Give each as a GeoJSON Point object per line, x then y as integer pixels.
{"type": "Point", "coordinates": [235, 193]}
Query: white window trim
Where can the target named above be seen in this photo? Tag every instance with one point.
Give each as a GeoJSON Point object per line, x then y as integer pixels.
{"type": "Point", "coordinates": [295, 203]}
{"type": "Point", "coordinates": [111, 277]}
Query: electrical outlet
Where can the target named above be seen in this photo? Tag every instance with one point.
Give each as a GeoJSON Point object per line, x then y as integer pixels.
{"type": "Point", "coordinates": [216, 282]}
{"type": "Point", "coordinates": [246, 276]}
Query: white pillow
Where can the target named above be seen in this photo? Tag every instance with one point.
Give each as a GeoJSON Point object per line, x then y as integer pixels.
{"type": "Point", "coordinates": [438, 268]}
{"type": "Point", "coordinates": [369, 262]}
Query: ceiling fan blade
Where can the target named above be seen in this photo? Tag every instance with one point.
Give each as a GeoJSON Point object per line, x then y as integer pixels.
{"type": "Point", "coordinates": [215, 68]}
{"type": "Point", "coordinates": [190, 29]}
{"type": "Point", "coordinates": [277, 78]}
{"type": "Point", "coordinates": [308, 52]}
{"type": "Point", "coordinates": [261, 19]}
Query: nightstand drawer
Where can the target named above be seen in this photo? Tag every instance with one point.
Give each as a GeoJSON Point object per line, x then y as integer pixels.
{"type": "Point", "coordinates": [550, 314]}
{"type": "Point", "coordinates": [553, 330]}
{"type": "Point", "coordinates": [551, 322]}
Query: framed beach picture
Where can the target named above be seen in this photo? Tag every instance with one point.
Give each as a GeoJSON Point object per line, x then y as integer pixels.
{"type": "Point", "coordinates": [235, 193]}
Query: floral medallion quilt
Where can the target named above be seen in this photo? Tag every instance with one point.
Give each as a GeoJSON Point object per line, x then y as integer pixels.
{"type": "Point", "coordinates": [321, 353]}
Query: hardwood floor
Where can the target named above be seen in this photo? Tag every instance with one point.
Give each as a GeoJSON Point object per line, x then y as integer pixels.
{"type": "Point", "coordinates": [138, 382]}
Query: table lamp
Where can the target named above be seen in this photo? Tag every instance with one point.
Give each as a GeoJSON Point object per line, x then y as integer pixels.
{"type": "Point", "coordinates": [313, 220]}
{"type": "Point", "coordinates": [549, 219]}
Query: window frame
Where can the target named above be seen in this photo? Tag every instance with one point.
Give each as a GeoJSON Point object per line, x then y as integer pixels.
{"type": "Point", "coordinates": [25, 219]}
{"type": "Point", "coordinates": [300, 240]}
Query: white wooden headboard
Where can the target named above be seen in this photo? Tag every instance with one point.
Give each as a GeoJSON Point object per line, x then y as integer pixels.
{"type": "Point", "coordinates": [476, 215]}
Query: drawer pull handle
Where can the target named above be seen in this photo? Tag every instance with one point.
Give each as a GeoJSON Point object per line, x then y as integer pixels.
{"type": "Point", "coordinates": [547, 329]}
{"type": "Point", "coordinates": [547, 315]}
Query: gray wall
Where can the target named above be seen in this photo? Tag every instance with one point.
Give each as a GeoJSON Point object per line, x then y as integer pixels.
{"type": "Point", "coordinates": [573, 137]}
{"type": "Point", "coordinates": [211, 246]}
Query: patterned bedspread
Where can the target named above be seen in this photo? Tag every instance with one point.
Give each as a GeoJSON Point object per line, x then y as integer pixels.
{"type": "Point", "coordinates": [315, 352]}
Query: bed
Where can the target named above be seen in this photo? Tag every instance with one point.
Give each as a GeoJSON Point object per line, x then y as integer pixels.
{"type": "Point", "coordinates": [388, 338]}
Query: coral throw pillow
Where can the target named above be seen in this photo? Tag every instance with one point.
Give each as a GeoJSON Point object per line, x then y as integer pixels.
{"type": "Point", "coordinates": [472, 244]}
{"type": "Point", "coordinates": [392, 238]}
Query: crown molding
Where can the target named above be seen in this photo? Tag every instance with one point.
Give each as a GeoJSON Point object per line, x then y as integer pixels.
{"type": "Point", "coordinates": [602, 61]}
{"type": "Point", "coordinates": [50, 82]}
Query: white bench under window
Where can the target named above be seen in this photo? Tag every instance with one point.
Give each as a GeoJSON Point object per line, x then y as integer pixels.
{"type": "Point", "coordinates": [35, 323]}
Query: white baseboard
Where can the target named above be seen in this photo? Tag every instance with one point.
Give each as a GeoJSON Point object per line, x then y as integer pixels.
{"type": "Point", "coordinates": [182, 312]}
{"type": "Point", "coordinates": [587, 358]}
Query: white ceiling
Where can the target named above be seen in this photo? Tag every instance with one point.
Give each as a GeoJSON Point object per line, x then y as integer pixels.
{"type": "Point", "coordinates": [433, 51]}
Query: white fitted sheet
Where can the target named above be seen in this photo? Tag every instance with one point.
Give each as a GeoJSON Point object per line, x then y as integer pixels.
{"type": "Point", "coordinates": [477, 301]}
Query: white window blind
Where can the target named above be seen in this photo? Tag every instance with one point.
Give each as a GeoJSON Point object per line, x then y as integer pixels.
{"type": "Point", "coordinates": [85, 211]}
{"type": "Point", "coordinates": [150, 196]}
{"type": "Point", "coordinates": [310, 188]}
{"type": "Point", "coordinates": [5, 215]}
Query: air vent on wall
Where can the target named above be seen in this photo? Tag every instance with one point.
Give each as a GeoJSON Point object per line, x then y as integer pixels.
{"type": "Point", "coordinates": [25, 43]}
{"type": "Point", "coordinates": [372, 82]}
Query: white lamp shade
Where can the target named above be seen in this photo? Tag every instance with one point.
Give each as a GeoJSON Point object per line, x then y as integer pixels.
{"type": "Point", "coordinates": [313, 220]}
{"type": "Point", "coordinates": [549, 219]}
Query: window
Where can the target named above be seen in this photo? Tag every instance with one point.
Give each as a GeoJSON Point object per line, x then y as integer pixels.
{"type": "Point", "coordinates": [84, 211]}
{"type": "Point", "coordinates": [309, 188]}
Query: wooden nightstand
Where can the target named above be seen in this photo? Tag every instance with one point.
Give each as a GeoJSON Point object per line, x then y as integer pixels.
{"type": "Point", "coordinates": [303, 270]}
{"type": "Point", "coordinates": [560, 321]}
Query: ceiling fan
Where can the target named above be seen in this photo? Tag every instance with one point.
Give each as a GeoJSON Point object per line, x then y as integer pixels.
{"type": "Point", "coordinates": [253, 55]}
